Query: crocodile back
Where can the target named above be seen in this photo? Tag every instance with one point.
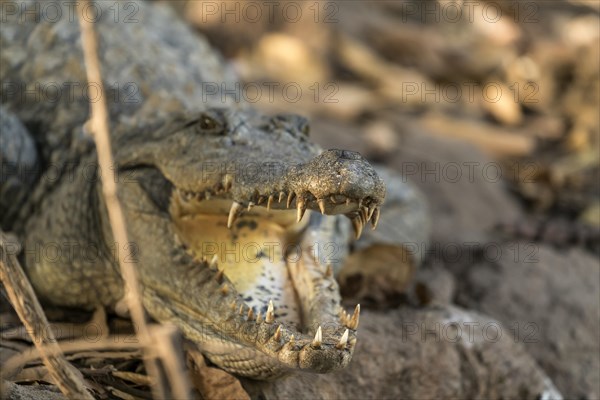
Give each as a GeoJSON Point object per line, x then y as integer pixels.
{"type": "Point", "coordinates": [152, 66]}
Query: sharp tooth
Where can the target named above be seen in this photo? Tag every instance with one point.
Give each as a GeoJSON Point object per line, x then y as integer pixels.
{"type": "Point", "coordinates": [219, 276]}
{"type": "Point", "coordinates": [277, 335]}
{"type": "Point", "coordinates": [352, 342]}
{"type": "Point", "coordinates": [321, 206]}
{"type": "Point", "coordinates": [241, 309]}
{"type": "Point", "coordinates": [364, 213]}
{"type": "Point", "coordinates": [375, 218]}
{"type": "Point", "coordinates": [329, 271]}
{"type": "Point", "coordinates": [353, 323]}
{"type": "Point", "coordinates": [281, 196]}
{"type": "Point", "coordinates": [224, 290]}
{"type": "Point", "coordinates": [259, 318]}
{"type": "Point", "coordinates": [250, 314]}
{"type": "Point", "coordinates": [342, 343]}
{"type": "Point", "coordinates": [358, 227]}
{"type": "Point", "coordinates": [344, 317]}
{"type": "Point", "coordinates": [227, 182]}
{"type": "Point", "coordinates": [318, 338]}
{"type": "Point", "coordinates": [250, 205]}
{"type": "Point", "coordinates": [187, 196]}
{"type": "Point", "coordinates": [292, 341]}
{"type": "Point", "coordinates": [269, 202]}
{"type": "Point", "coordinates": [301, 209]}
{"type": "Point", "coordinates": [290, 199]}
{"type": "Point", "coordinates": [270, 317]}
{"type": "Point", "coordinates": [371, 211]}
{"type": "Point", "coordinates": [260, 200]}
{"type": "Point", "coordinates": [213, 262]}
{"type": "Point", "coordinates": [234, 212]}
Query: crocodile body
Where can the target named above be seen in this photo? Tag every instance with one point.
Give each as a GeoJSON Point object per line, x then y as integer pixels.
{"type": "Point", "coordinates": [227, 209]}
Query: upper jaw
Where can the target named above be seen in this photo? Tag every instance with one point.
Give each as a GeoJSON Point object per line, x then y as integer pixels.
{"type": "Point", "coordinates": [334, 182]}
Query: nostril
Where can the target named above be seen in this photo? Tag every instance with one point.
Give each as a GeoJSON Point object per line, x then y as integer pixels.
{"type": "Point", "coordinates": [346, 154]}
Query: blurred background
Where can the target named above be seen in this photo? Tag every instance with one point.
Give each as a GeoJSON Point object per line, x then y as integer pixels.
{"type": "Point", "coordinates": [492, 110]}
{"type": "Point", "coordinates": [518, 80]}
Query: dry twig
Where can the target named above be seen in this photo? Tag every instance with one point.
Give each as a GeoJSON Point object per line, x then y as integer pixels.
{"type": "Point", "coordinates": [23, 298]}
{"type": "Point", "coordinates": [116, 342]}
{"type": "Point", "coordinates": [98, 124]}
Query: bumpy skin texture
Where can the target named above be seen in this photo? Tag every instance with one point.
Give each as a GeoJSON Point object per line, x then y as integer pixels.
{"type": "Point", "coordinates": [16, 149]}
{"type": "Point", "coordinates": [175, 153]}
{"type": "Point", "coordinates": [44, 82]}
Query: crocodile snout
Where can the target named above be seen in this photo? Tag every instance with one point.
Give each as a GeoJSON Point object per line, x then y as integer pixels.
{"type": "Point", "coordinates": [339, 172]}
{"type": "Point", "coordinates": [344, 154]}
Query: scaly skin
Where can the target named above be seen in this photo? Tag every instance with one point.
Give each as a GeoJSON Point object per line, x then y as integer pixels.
{"type": "Point", "coordinates": [174, 148]}
{"type": "Point", "coordinates": [167, 176]}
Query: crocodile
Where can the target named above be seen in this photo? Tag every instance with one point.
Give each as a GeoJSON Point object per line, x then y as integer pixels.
{"type": "Point", "coordinates": [232, 214]}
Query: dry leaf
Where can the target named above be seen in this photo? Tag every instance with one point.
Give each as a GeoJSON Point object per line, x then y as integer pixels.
{"type": "Point", "coordinates": [213, 383]}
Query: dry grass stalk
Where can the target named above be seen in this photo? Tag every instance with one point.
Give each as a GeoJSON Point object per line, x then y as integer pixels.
{"type": "Point", "coordinates": [23, 298]}
{"type": "Point", "coordinates": [98, 124]}
{"type": "Point", "coordinates": [115, 342]}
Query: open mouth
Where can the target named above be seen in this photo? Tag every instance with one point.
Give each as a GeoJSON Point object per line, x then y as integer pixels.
{"type": "Point", "coordinates": [281, 291]}
{"type": "Point", "coordinates": [270, 294]}
{"type": "Point", "coordinates": [360, 211]}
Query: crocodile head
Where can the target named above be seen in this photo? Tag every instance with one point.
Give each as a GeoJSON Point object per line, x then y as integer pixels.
{"type": "Point", "coordinates": [241, 186]}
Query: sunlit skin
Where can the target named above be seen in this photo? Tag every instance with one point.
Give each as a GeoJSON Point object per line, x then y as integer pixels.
{"type": "Point", "coordinates": [205, 183]}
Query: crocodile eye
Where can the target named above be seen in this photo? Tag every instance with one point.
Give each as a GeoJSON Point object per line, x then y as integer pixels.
{"type": "Point", "coordinates": [207, 123]}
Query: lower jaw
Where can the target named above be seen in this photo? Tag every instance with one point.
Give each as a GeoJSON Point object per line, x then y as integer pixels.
{"type": "Point", "coordinates": [230, 347]}
{"type": "Point", "coordinates": [253, 255]}
{"type": "Point", "coordinates": [251, 345]}
{"type": "Point", "coordinates": [258, 350]}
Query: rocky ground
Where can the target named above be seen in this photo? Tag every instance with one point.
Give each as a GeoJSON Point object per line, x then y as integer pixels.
{"type": "Point", "coordinates": [493, 118]}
